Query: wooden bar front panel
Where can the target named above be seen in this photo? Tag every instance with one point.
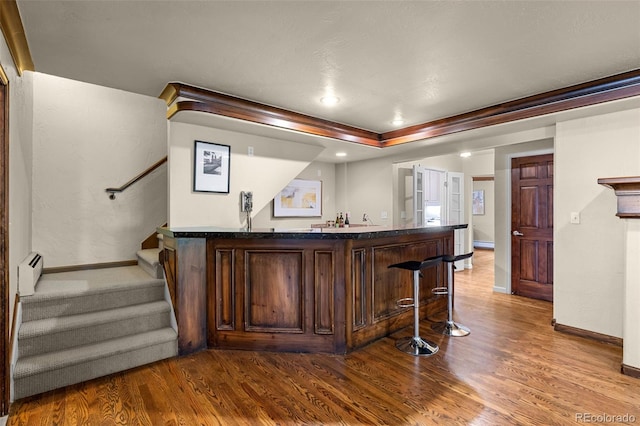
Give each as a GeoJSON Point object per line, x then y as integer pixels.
{"type": "Point", "coordinates": [376, 288]}
{"type": "Point", "coordinates": [282, 294]}
{"type": "Point", "coordinates": [315, 295]}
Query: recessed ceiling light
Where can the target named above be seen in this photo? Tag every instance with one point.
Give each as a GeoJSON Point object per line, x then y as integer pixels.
{"type": "Point", "coordinates": [341, 154]}
{"type": "Point", "coordinates": [397, 122]}
{"type": "Point", "coordinates": [329, 100]}
{"type": "Point", "coordinates": [465, 154]}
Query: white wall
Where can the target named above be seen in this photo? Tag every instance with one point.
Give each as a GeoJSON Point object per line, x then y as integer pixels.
{"type": "Point", "coordinates": [87, 138]}
{"type": "Point", "coordinates": [273, 165]}
{"type": "Point", "coordinates": [366, 187]}
{"type": "Point", "coordinates": [20, 156]}
{"type": "Point", "coordinates": [589, 257]}
{"type": "Point", "coordinates": [324, 172]}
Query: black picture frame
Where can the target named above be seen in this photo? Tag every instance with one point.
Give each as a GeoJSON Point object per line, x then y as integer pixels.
{"type": "Point", "coordinates": [211, 167]}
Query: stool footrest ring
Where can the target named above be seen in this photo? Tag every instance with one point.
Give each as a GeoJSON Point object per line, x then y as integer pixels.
{"type": "Point", "coordinates": [440, 291]}
{"type": "Point", "coordinates": [405, 302]}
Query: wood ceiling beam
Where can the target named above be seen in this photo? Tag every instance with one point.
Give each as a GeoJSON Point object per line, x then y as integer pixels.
{"type": "Point", "coordinates": [616, 87]}
{"type": "Point", "coordinates": [11, 26]}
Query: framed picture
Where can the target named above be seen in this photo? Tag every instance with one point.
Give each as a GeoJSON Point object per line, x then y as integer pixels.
{"type": "Point", "coordinates": [478, 202]}
{"type": "Point", "coordinates": [299, 198]}
{"type": "Point", "coordinates": [211, 167]}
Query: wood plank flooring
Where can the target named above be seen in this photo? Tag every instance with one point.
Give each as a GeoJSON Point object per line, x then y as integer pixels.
{"type": "Point", "coordinates": [512, 369]}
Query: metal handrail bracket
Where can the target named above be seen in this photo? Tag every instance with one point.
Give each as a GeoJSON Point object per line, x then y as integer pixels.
{"type": "Point", "coordinates": [112, 191]}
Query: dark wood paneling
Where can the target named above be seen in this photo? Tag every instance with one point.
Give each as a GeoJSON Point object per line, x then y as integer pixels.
{"type": "Point", "coordinates": [274, 291]}
{"type": "Point", "coordinates": [224, 290]}
{"type": "Point", "coordinates": [324, 281]}
{"type": "Point", "coordinates": [313, 295]}
{"type": "Point", "coordinates": [359, 288]}
{"type": "Point", "coordinates": [189, 268]}
{"type": "Point", "coordinates": [392, 284]}
{"type": "Point", "coordinates": [386, 285]}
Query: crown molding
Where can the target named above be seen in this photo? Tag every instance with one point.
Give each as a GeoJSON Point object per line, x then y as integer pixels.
{"type": "Point", "coordinates": [3, 76]}
{"type": "Point", "coordinates": [11, 25]}
{"type": "Point", "coordinates": [616, 87]}
{"type": "Point", "coordinates": [204, 100]}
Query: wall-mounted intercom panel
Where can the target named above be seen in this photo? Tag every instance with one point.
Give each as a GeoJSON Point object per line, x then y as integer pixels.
{"type": "Point", "coordinates": [246, 201]}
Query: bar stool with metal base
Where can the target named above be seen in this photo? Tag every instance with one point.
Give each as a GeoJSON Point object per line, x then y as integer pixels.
{"type": "Point", "coordinates": [415, 345]}
{"type": "Point", "coordinates": [448, 327]}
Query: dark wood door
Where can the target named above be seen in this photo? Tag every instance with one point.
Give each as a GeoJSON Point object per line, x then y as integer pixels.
{"type": "Point", "coordinates": [532, 226]}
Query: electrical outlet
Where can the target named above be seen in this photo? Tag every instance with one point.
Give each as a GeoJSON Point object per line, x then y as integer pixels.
{"type": "Point", "coordinates": [575, 217]}
{"type": "Point", "coordinates": [383, 215]}
{"type": "Point", "coordinates": [250, 151]}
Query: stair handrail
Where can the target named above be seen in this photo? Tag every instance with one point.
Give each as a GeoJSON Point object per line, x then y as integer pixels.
{"type": "Point", "coordinates": [112, 191]}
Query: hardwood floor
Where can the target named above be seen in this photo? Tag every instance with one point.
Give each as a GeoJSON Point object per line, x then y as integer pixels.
{"type": "Point", "coordinates": [512, 369]}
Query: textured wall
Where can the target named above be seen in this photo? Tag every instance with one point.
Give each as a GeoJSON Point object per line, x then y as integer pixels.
{"type": "Point", "coordinates": [274, 164]}
{"type": "Point", "coordinates": [20, 170]}
{"type": "Point", "coordinates": [87, 138]}
{"type": "Point", "coordinates": [589, 257]}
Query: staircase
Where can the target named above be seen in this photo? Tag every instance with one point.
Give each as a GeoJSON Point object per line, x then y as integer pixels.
{"type": "Point", "coordinates": [81, 325]}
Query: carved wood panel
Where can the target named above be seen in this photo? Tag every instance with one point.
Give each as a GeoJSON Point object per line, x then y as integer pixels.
{"type": "Point", "coordinates": [391, 284]}
{"type": "Point", "coordinates": [225, 290]}
{"type": "Point", "coordinates": [359, 283]}
{"type": "Point", "coordinates": [274, 291]}
{"type": "Point", "coordinates": [324, 271]}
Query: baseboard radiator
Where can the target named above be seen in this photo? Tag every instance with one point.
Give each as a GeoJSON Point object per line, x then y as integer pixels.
{"type": "Point", "coordinates": [28, 273]}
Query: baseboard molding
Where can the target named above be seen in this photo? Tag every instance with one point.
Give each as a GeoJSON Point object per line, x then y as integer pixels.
{"type": "Point", "coordinates": [500, 290]}
{"type": "Point", "coordinates": [489, 245]}
{"type": "Point", "coordinates": [628, 370]}
{"type": "Point", "coordinates": [87, 267]}
{"type": "Point", "coordinates": [604, 338]}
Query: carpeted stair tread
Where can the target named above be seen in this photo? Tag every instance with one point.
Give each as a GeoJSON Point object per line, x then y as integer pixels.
{"type": "Point", "coordinates": [149, 260]}
{"type": "Point", "coordinates": [151, 256]}
{"type": "Point", "coordinates": [96, 281]}
{"type": "Point", "coordinates": [35, 328]}
{"type": "Point", "coordinates": [104, 365]}
{"type": "Point", "coordinates": [37, 364]}
{"type": "Point", "coordinates": [55, 334]}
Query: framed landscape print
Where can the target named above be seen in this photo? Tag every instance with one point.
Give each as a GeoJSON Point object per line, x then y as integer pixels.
{"type": "Point", "coordinates": [478, 202]}
{"type": "Point", "coordinates": [299, 198]}
{"type": "Point", "coordinates": [211, 164]}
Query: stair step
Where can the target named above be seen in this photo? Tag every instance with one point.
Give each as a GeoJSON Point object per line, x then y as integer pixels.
{"type": "Point", "coordinates": [71, 293]}
{"type": "Point", "coordinates": [41, 373]}
{"type": "Point", "coordinates": [55, 334]}
{"type": "Point", "coordinates": [148, 259]}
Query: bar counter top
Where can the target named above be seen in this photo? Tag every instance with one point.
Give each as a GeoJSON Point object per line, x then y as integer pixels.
{"type": "Point", "coordinates": [355, 232]}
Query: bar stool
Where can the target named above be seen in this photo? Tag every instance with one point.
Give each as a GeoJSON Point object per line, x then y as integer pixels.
{"type": "Point", "coordinates": [415, 345]}
{"type": "Point", "coordinates": [448, 327]}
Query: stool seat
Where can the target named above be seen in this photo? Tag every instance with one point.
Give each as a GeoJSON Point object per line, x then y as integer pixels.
{"type": "Point", "coordinates": [448, 258]}
{"type": "Point", "coordinates": [416, 265]}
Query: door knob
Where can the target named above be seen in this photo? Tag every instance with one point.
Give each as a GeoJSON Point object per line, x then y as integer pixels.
{"type": "Point", "coordinates": [518, 234]}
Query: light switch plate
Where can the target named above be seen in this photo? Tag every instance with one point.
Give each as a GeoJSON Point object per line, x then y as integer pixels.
{"type": "Point", "coordinates": [575, 217]}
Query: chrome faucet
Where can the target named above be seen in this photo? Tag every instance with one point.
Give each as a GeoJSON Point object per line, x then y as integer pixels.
{"type": "Point", "coordinates": [366, 220]}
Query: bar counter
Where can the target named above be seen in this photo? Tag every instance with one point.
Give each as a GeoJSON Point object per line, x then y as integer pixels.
{"type": "Point", "coordinates": [304, 290]}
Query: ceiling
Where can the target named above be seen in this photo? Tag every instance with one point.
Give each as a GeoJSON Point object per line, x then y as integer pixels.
{"type": "Point", "coordinates": [418, 60]}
